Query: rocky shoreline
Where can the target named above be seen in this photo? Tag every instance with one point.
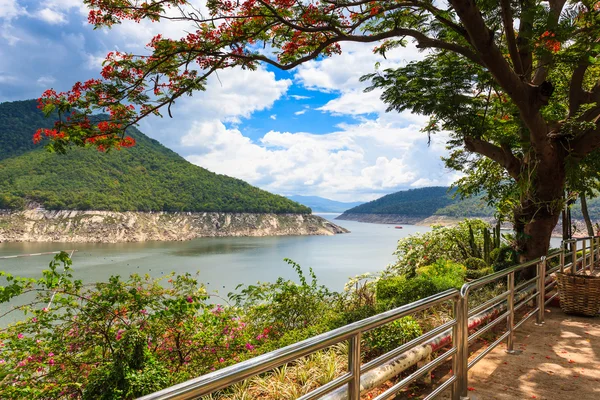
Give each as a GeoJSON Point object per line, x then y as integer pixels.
{"type": "Point", "coordinates": [115, 227]}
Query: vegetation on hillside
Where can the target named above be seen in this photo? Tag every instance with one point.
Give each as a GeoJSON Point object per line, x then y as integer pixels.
{"type": "Point", "coordinates": [128, 337]}
{"type": "Point", "coordinates": [424, 202]}
{"type": "Point", "coordinates": [147, 177]}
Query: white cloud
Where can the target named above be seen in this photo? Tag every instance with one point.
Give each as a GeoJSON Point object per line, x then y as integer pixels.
{"type": "Point", "coordinates": [273, 117]}
{"type": "Point", "coordinates": [10, 9]}
{"type": "Point", "coordinates": [51, 16]}
{"type": "Point", "coordinates": [298, 97]}
{"type": "Point", "coordinates": [358, 162]}
{"type": "Point", "coordinates": [45, 81]}
{"type": "Point", "coordinates": [300, 112]}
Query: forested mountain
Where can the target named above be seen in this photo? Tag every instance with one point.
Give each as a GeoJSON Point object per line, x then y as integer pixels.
{"type": "Point", "coordinates": [146, 177]}
{"type": "Point", "coordinates": [415, 202]}
{"type": "Point", "coordinates": [321, 204]}
{"type": "Point", "coordinates": [438, 200]}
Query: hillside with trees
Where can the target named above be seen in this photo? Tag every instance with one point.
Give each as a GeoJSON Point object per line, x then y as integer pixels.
{"type": "Point", "coordinates": [441, 201]}
{"type": "Point", "coordinates": [147, 177]}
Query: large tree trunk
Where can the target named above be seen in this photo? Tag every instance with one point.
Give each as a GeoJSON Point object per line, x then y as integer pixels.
{"type": "Point", "coordinates": [542, 210]}
{"type": "Point", "coordinates": [586, 215]}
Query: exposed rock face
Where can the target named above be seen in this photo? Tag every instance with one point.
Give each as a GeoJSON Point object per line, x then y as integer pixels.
{"type": "Point", "coordinates": [114, 227]}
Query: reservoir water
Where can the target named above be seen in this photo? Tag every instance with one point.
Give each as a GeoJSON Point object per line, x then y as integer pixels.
{"type": "Point", "coordinates": [223, 263]}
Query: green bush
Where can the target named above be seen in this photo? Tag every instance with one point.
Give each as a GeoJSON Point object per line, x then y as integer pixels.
{"type": "Point", "coordinates": [396, 291]}
{"type": "Point", "coordinates": [505, 257]}
{"type": "Point", "coordinates": [444, 274]}
{"type": "Point", "coordinates": [479, 273]}
{"type": "Point", "coordinates": [473, 263]}
{"type": "Point", "coordinates": [455, 243]}
{"type": "Point", "coordinates": [389, 336]}
{"type": "Point", "coordinates": [399, 290]}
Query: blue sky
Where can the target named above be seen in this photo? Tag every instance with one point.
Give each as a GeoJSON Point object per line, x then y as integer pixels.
{"type": "Point", "coordinates": [309, 131]}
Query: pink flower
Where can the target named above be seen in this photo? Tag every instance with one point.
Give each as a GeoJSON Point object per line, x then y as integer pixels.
{"type": "Point", "coordinates": [50, 354]}
{"type": "Point", "coordinates": [51, 362]}
{"type": "Point", "coordinates": [249, 346]}
{"type": "Point", "coordinates": [189, 299]}
{"type": "Point", "coordinates": [220, 360]}
{"type": "Point", "coordinates": [20, 336]}
{"type": "Point", "coordinates": [119, 334]}
{"type": "Point", "coordinates": [144, 311]}
{"type": "Point", "coordinates": [2, 361]}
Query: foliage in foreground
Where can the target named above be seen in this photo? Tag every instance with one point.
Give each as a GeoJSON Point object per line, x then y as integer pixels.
{"type": "Point", "coordinates": [128, 337]}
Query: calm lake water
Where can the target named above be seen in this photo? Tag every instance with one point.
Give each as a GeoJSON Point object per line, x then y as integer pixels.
{"type": "Point", "coordinates": [223, 263]}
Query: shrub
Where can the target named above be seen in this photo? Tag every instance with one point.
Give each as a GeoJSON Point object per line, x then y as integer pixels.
{"type": "Point", "coordinates": [479, 273]}
{"type": "Point", "coordinates": [505, 257]}
{"type": "Point", "coordinates": [473, 263]}
{"type": "Point", "coordinates": [396, 291]}
{"type": "Point", "coordinates": [455, 243]}
{"type": "Point", "coordinates": [444, 274]}
{"type": "Point", "coordinates": [389, 336]}
{"type": "Point", "coordinates": [285, 305]}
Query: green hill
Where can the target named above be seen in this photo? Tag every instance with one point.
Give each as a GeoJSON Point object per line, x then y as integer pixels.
{"type": "Point", "coordinates": [424, 202]}
{"type": "Point", "coordinates": [438, 200]}
{"type": "Point", "coordinates": [147, 177]}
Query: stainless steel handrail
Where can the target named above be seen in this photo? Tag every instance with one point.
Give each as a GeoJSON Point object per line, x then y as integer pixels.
{"type": "Point", "coordinates": [505, 305]}
{"type": "Point", "coordinates": [225, 377]}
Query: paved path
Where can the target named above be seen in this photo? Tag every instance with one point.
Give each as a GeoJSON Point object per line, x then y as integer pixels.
{"type": "Point", "coordinates": [560, 360]}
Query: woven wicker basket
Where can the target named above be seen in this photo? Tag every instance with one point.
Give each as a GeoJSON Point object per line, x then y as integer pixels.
{"type": "Point", "coordinates": [579, 294]}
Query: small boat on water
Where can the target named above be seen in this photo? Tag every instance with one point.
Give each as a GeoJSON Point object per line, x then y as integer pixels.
{"type": "Point", "coordinates": [398, 227]}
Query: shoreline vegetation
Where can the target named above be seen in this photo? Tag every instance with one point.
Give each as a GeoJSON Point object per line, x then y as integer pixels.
{"type": "Point", "coordinates": [128, 337]}
{"type": "Point", "coordinates": [115, 227]}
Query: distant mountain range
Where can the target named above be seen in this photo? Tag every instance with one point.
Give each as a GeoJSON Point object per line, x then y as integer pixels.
{"type": "Point", "coordinates": [146, 177]}
{"type": "Point", "coordinates": [323, 205]}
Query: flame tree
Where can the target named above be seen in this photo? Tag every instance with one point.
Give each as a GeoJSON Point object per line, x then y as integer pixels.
{"type": "Point", "coordinates": [515, 83]}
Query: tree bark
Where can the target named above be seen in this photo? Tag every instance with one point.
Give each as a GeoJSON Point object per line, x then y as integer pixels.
{"type": "Point", "coordinates": [586, 215]}
{"type": "Point", "coordinates": [542, 209]}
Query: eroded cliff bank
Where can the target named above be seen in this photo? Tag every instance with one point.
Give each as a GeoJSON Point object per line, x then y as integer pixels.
{"type": "Point", "coordinates": [114, 227]}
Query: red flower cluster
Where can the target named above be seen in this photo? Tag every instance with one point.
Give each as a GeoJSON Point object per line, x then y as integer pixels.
{"type": "Point", "coordinates": [549, 42]}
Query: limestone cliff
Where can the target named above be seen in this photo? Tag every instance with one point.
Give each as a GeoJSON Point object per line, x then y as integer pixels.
{"type": "Point", "coordinates": [113, 227]}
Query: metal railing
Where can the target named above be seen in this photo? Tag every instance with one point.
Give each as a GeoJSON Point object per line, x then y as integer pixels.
{"type": "Point", "coordinates": [454, 334]}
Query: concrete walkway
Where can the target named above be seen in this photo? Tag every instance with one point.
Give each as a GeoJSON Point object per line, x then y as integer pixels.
{"type": "Point", "coordinates": [560, 360]}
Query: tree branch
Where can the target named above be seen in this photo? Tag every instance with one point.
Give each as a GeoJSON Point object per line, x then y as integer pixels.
{"type": "Point", "coordinates": [502, 155]}
{"type": "Point", "coordinates": [541, 72]}
{"type": "Point", "coordinates": [423, 41]}
{"type": "Point", "coordinates": [524, 96]}
{"type": "Point", "coordinates": [587, 142]}
{"type": "Point", "coordinates": [509, 32]}
{"type": "Point", "coordinates": [576, 93]}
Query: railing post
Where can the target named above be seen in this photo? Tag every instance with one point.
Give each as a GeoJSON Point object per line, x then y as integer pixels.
{"type": "Point", "coordinates": [574, 256]}
{"type": "Point", "coordinates": [354, 362]}
{"type": "Point", "coordinates": [592, 251]}
{"type": "Point", "coordinates": [510, 319]}
{"type": "Point", "coordinates": [461, 336]}
{"type": "Point", "coordinates": [541, 270]}
{"type": "Point", "coordinates": [563, 249]}
{"type": "Point", "coordinates": [583, 255]}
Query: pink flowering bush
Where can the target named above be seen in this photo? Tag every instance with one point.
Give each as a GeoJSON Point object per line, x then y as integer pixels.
{"type": "Point", "coordinates": [119, 339]}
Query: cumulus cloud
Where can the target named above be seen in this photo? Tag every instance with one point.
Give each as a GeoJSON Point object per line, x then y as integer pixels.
{"type": "Point", "coordinates": [357, 162]}
{"type": "Point", "coordinates": [51, 16]}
